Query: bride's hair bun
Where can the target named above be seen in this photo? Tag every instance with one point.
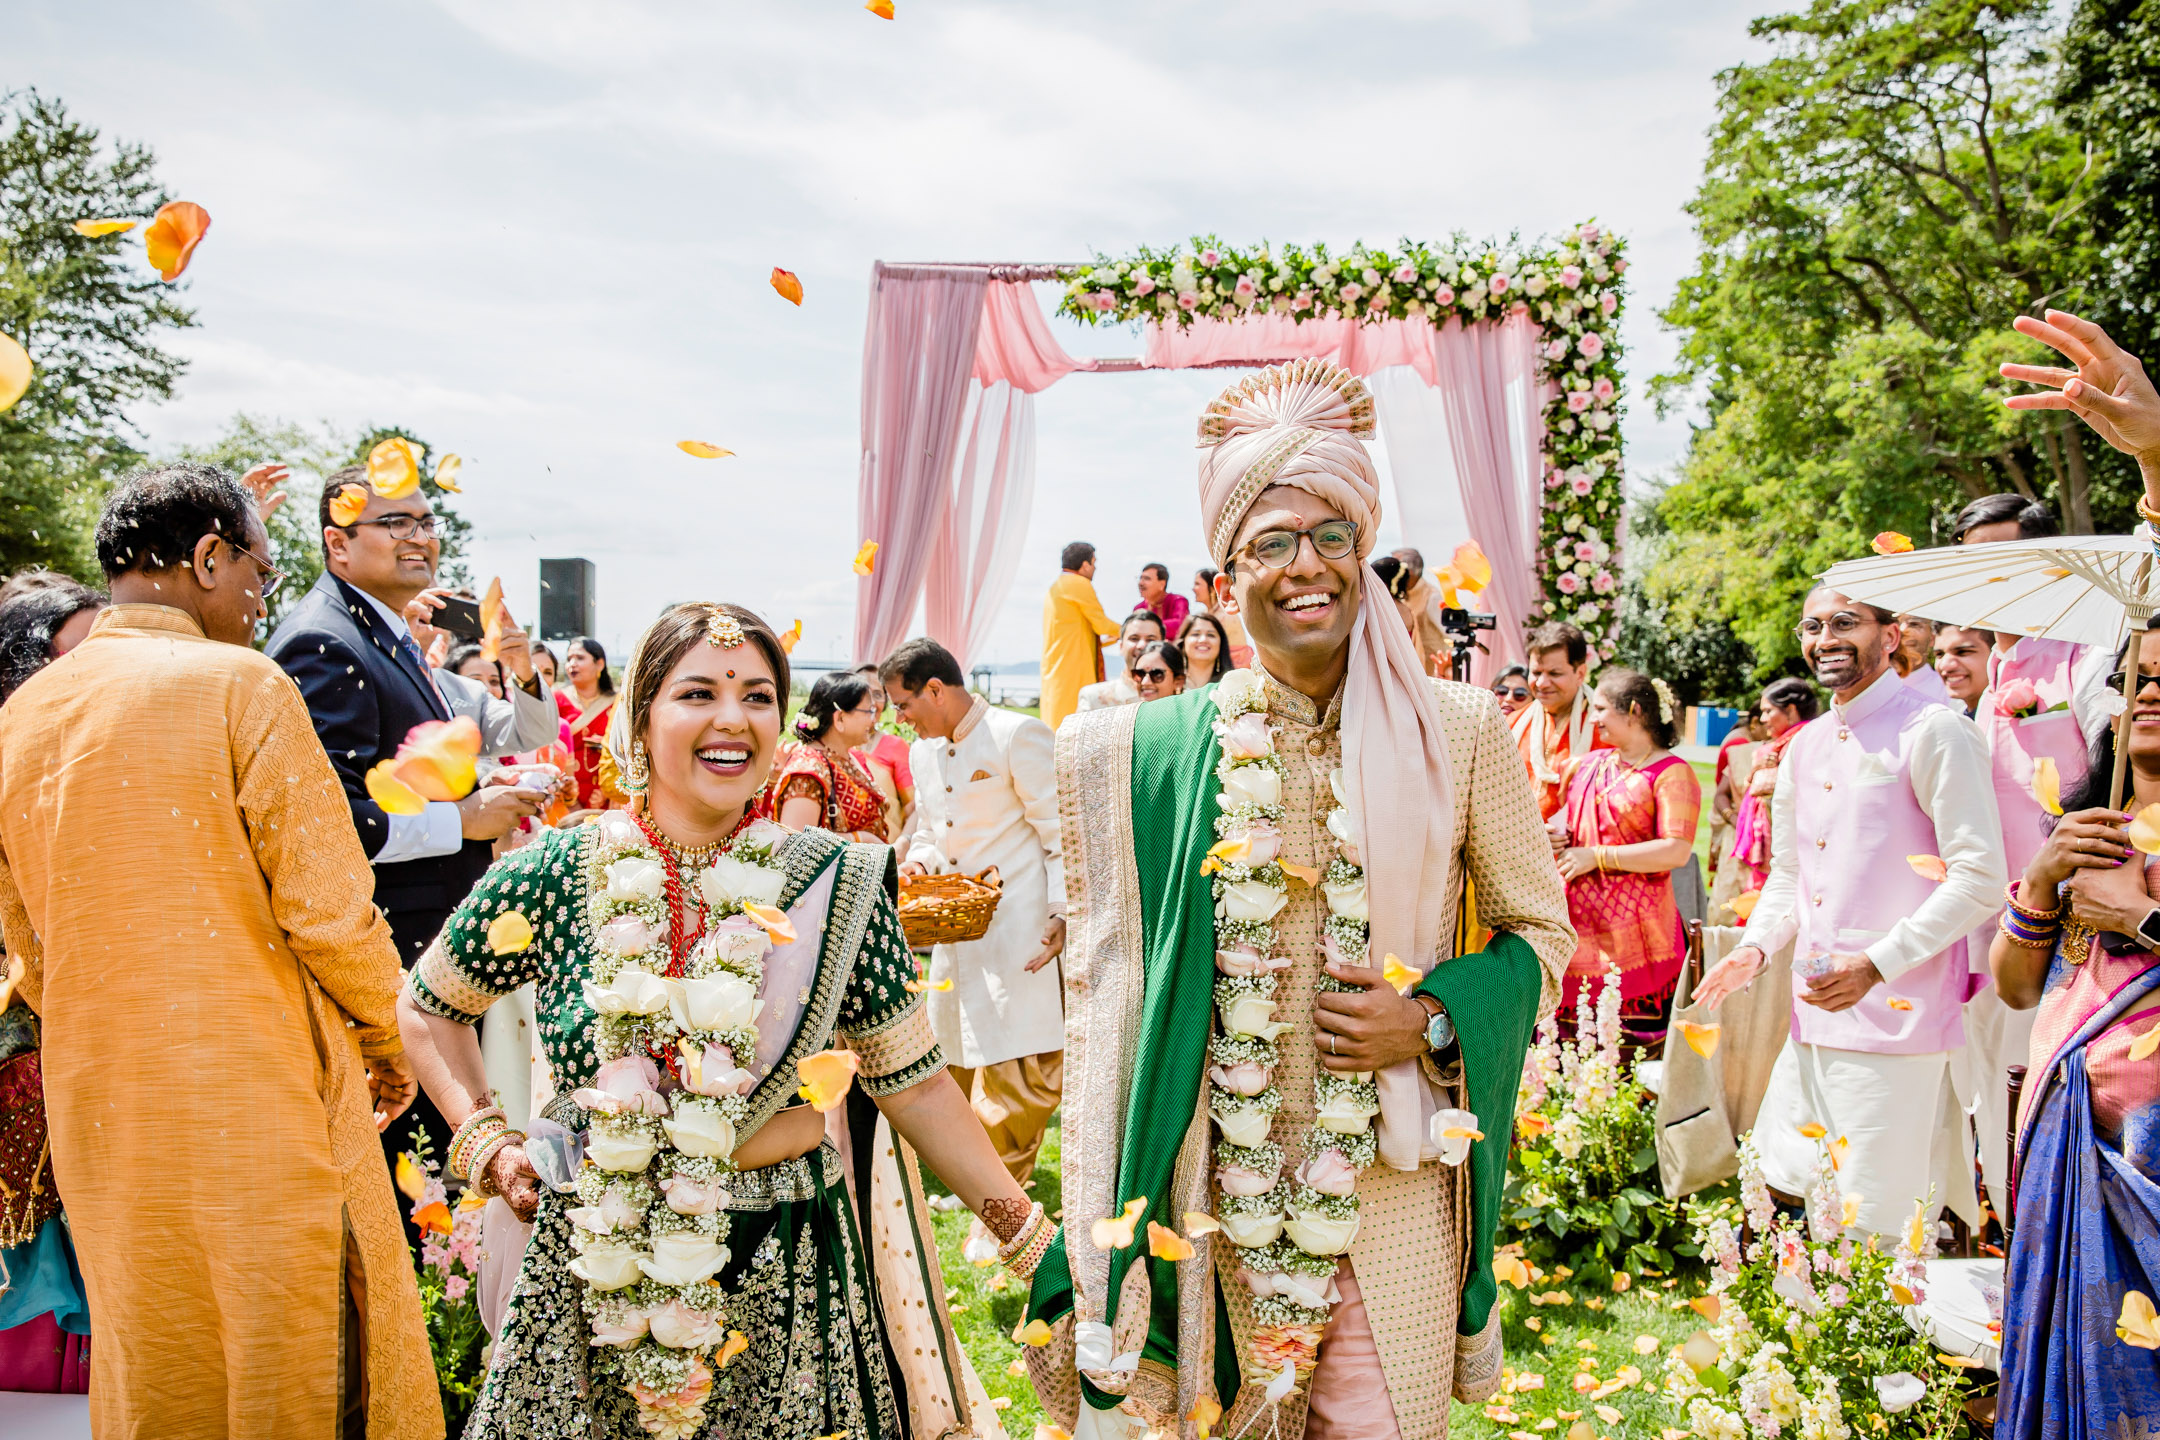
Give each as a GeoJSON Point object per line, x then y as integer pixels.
{"type": "Point", "coordinates": [1304, 394]}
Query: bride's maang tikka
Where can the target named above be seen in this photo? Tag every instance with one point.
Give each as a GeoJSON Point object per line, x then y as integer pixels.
{"type": "Point", "coordinates": [722, 630]}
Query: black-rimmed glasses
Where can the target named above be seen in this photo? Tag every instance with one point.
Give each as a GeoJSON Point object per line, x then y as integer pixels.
{"type": "Point", "coordinates": [405, 527]}
{"type": "Point", "coordinates": [1277, 548]}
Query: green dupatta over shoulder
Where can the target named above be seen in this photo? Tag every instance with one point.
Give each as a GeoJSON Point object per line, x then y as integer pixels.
{"type": "Point", "coordinates": [1139, 794]}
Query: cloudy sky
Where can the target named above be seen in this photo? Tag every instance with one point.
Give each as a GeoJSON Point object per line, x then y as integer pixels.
{"type": "Point", "coordinates": [538, 233]}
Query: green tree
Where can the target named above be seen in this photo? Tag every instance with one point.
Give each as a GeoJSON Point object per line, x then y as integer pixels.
{"type": "Point", "coordinates": [90, 312]}
{"type": "Point", "coordinates": [2110, 95]}
{"type": "Point", "coordinates": [295, 535]}
{"type": "Point", "coordinates": [1881, 198]}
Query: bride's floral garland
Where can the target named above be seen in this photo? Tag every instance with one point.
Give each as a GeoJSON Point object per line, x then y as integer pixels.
{"type": "Point", "coordinates": [673, 1040]}
{"type": "Point", "coordinates": [1290, 1232]}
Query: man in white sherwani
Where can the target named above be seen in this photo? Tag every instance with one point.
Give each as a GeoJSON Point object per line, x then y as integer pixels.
{"type": "Point", "coordinates": [986, 795]}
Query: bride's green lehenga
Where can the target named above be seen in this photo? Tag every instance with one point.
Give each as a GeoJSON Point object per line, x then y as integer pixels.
{"type": "Point", "coordinates": [829, 1352]}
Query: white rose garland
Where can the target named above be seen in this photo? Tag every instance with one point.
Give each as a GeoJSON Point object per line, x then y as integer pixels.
{"type": "Point", "coordinates": [672, 1089]}
{"type": "Point", "coordinates": [1289, 1229]}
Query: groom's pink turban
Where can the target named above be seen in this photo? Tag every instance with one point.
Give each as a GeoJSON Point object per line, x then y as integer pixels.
{"type": "Point", "coordinates": [1303, 425]}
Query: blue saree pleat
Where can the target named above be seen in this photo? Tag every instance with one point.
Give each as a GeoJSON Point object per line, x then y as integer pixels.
{"type": "Point", "coordinates": [2088, 1232]}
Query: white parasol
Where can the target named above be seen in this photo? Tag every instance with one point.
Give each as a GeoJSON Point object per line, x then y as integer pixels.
{"type": "Point", "coordinates": [2088, 589]}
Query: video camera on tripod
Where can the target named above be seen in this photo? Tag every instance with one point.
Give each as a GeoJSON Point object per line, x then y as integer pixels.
{"type": "Point", "coordinates": [1461, 627]}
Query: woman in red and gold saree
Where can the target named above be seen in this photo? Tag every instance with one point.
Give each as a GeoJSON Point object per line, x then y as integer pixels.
{"type": "Point", "coordinates": [585, 705]}
{"type": "Point", "coordinates": [819, 781]}
{"type": "Point", "coordinates": [1630, 820]}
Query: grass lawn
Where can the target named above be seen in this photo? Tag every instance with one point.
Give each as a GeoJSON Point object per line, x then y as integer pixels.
{"type": "Point", "coordinates": [1555, 1341]}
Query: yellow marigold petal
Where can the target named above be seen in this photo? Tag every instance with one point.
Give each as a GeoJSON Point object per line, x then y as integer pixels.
{"type": "Point", "coordinates": [826, 1077]}
{"type": "Point", "coordinates": [509, 933]}
{"type": "Point", "coordinates": [393, 471]}
{"type": "Point", "coordinates": [788, 285]}
{"type": "Point", "coordinates": [703, 449]}
{"type": "Point", "coordinates": [866, 557]}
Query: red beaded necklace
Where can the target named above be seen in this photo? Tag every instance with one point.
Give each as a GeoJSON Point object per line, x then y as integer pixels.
{"type": "Point", "coordinates": [681, 934]}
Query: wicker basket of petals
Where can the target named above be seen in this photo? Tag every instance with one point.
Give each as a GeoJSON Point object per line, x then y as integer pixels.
{"type": "Point", "coordinates": [947, 909]}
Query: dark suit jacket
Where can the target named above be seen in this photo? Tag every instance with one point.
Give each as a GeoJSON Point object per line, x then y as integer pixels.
{"type": "Point", "coordinates": [365, 697]}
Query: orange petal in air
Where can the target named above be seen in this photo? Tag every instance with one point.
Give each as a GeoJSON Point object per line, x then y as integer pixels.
{"type": "Point", "coordinates": [1470, 563]}
{"type": "Point", "coordinates": [434, 1216]}
{"type": "Point", "coordinates": [790, 638]}
{"type": "Point", "coordinates": [1533, 1125]}
{"type": "Point", "coordinates": [436, 760]}
{"type": "Point", "coordinates": [348, 504]}
{"type": "Point", "coordinates": [789, 287]}
{"type": "Point", "coordinates": [703, 449]}
{"type": "Point", "coordinates": [1743, 904]}
{"type": "Point", "coordinates": [1702, 1039]}
{"type": "Point", "coordinates": [409, 1178]}
{"type": "Point", "coordinates": [774, 922]}
{"type": "Point", "coordinates": [1166, 1244]}
{"type": "Point", "coordinates": [1899, 1002]}
{"type": "Point", "coordinates": [1814, 1130]}
{"type": "Point", "coordinates": [866, 557]}
{"type": "Point", "coordinates": [393, 471]}
{"type": "Point", "coordinates": [826, 1077]}
{"type": "Point", "coordinates": [393, 795]}
{"type": "Point", "coordinates": [446, 473]}
{"type": "Point", "coordinates": [491, 621]}
{"type": "Point", "coordinates": [95, 228]}
{"type": "Point", "coordinates": [172, 237]}
{"type": "Point", "coordinates": [1929, 867]}
{"type": "Point", "coordinates": [1306, 875]}
{"type": "Point", "coordinates": [880, 8]}
{"type": "Point", "coordinates": [1707, 1306]}
{"type": "Point", "coordinates": [737, 1342]}
{"type": "Point", "coordinates": [1891, 543]}
{"type": "Point", "coordinates": [15, 371]}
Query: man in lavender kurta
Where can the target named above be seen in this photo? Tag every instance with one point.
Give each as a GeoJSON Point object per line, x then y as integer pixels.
{"type": "Point", "coordinates": [1879, 969]}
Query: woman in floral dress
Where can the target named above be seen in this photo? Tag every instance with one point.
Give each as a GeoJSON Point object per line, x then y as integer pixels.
{"type": "Point", "coordinates": [711, 1255]}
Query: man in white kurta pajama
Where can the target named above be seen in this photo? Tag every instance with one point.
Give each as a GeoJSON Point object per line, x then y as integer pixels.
{"type": "Point", "coordinates": [1865, 794]}
{"type": "Point", "coordinates": [986, 796]}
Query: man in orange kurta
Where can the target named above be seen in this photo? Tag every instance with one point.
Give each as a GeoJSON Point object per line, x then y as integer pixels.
{"type": "Point", "coordinates": [181, 882]}
{"type": "Point", "coordinates": [1074, 631]}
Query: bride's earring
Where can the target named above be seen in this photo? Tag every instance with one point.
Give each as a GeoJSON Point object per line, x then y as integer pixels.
{"type": "Point", "coordinates": [640, 777]}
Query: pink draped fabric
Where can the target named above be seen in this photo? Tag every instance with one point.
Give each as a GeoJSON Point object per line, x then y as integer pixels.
{"type": "Point", "coordinates": [917, 357]}
{"type": "Point", "coordinates": [1496, 464]}
{"type": "Point", "coordinates": [978, 544]}
{"type": "Point", "coordinates": [1016, 345]}
{"type": "Point", "coordinates": [1269, 339]}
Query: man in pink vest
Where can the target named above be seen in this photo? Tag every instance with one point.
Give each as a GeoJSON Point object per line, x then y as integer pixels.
{"type": "Point", "coordinates": [1865, 794]}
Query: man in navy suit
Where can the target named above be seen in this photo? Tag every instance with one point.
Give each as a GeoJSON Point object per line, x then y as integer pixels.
{"type": "Point", "coordinates": [367, 684]}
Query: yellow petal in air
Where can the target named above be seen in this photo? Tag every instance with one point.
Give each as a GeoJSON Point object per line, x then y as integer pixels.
{"type": "Point", "coordinates": [2142, 1046]}
{"type": "Point", "coordinates": [826, 1077]}
{"type": "Point", "coordinates": [1743, 904]}
{"type": "Point", "coordinates": [446, 473]}
{"type": "Point", "coordinates": [1814, 1130]}
{"type": "Point", "coordinates": [509, 933]}
{"type": "Point", "coordinates": [174, 233]}
{"type": "Point", "coordinates": [1702, 1039]}
{"type": "Point", "coordinates": [1166, 1244]}
{"type": "Point", "coordinates": [95, 228]}
{"type": "Point", "coordinates": [1839, 1149]}
{"type": "Point", "coordinates": [790, 638]}
{"type": "Point", "coordinates": [866, 557]}
{"type": "Point", "coordinates": [393, 471]}
{"type": "Point", "coordinates": [2138, 1325]}
{"type": "Point", "coordinates": [1929, 867]}
{"type": "Point", "coordinates": [1889, 542]}
{"type": "Point", "coordinates": [2145, 829]}
{"type": "Point", "coordinates": [1115, 1232]}
{"type": "Point", "coordinates": [883, 9]}
{"type": "Point", "coordinates": [1470, 564]}
{"type": "Point", "coordinates": [410, 1180]}
{"type": "Point", "coordinates": [391, 794]}
{"type": "Point", "coordinates": [2047, 785]}
{"type": "Point", "coordinates": [703, 449]}
{"type": "Point", "coordinates": [434, 1215]}
{"type": "Point", "coordinates": [491, 621]}
{"type": "Point", "coordinates": [1851, 1201]}
{"type": "Point", "coordinates": [1035, 1333]}
{"type": "Point", "coordinates": [1205, 1414]}
{"type": "Point", "coordinates": [1898, 1002]}
{"type": "Point", "coordinates": [15, 372]}
{"type": "Point", "coordinates": [1399, 975]}
{"type": "Point", "coordinates": [737, 1342]}
{"type": "Point", "coordinates": [1708, 1306]}
{"type": "Point", "coordinates": [1916, 1229]}
{"type": "Point", "coordinates": [348, 504]}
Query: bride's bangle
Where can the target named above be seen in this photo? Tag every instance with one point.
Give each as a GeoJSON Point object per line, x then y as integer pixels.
{"type": "Point", "coordinates": [487, 1152]}
{"type": "Point", "coordinates": [1021, 1254]}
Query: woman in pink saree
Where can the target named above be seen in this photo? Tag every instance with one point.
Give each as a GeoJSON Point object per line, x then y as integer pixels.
{"type": "Point", "coordinates": [1785, 706]}
{"type": "Point", "coordinates": [1628, 823]}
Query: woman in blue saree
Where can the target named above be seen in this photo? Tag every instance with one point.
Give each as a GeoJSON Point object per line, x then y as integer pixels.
{"type": "Point", "coordinates": [2079, 1344]}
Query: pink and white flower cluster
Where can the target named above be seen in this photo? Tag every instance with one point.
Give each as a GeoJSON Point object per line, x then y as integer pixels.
{"type": "Point", "coordinates": [1572, 289]}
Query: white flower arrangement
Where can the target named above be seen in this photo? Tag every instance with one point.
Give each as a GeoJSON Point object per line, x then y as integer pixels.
{"type": "Point", "coordinates": [1571, 288]}
{"type": "Point", "coordinates": [1288, 1235]}
{"type": "Point", "coordinates": [673, 1042]}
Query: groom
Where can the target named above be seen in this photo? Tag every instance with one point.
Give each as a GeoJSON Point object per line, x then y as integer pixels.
{"type": "Point", "coordinates": [1363, 793]}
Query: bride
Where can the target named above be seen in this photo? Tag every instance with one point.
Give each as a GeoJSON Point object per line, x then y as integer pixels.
{"type": "Point", "coordinates": [725, 1239]}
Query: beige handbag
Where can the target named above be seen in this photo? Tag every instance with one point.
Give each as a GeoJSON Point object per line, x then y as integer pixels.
{"type": "Point", "coordinates": [1705, 1103]}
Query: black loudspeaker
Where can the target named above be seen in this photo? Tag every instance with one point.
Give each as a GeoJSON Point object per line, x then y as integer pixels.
{"type": "Point", "coordinates": [569, 599]}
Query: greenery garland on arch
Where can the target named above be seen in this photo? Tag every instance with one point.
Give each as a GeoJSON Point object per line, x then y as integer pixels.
{"type": "Point", "coordinates": [1571, 287]}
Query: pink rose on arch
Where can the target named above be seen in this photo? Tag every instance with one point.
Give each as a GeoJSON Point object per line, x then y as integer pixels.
{"type": "Point", "coordinates": [1578, 401]}
{"type": "Point", "coordinates": [1619, 267]}
{"type": "Point", "coordinates": [1520, 307]}
{"type": "Point", "coordinates": [1445, 295]}
{"type": "Point", "coordinates": [1604, 582]}
{"type": "Point", "coordinates": [1378, 304]}
{"type": "Point", "coordinates": [1602, 389]}
{"type": "Point", "coordinates": [1351, 292]}
{"type": "Point", "coordinates": [1329, 1173]}
{"type": "Point", "coordinates": [1585, 551]}
{"type": "Point", "coordinates": [1570, 276]}
{"type": "Point", "coordinates": [1188, 299]}
{"type": "Point", "coordinates": [1406, 275]}
{"type": "Point", "coordinates": [1303, 300]}
{"type": "Point", "coordinates": [1608, 302]}
{"type": "Point", "coordinates": [1580, 485]}
{"type": "Point", "coordinates": [1567, 582]}
{"type": "Point", "coordinates": [1245, 287]}
{"type": "Point", "coordinates": [1143, 284]}
{"type": "Point", "coordinates": [1246, 738]}
{"type": "Point", "coordinates": [1556, 350]}
{"type": "Point", "coordinates": [1209, 259]}
{"type": "Point", "coordinates": [1590, 234]}
{"type": "Point", "coordinates": [1592, 345]}
{"type": "Point", "coordinates": [1498, 284]}
{"type": "Point", "coordinates": [1105, 300]}
{"type": "Point", "coordinates": [1247, 1077]}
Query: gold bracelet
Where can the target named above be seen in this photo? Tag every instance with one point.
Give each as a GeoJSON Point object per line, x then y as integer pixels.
{"type": "Point", "coordinates": [2149, 515]}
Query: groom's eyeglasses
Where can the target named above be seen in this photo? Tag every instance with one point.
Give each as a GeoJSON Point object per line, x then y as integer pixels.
{"type": "Point", "coordinates": [1277, 548]}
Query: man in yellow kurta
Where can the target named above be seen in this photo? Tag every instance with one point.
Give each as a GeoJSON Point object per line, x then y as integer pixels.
{"type": "Point", "coordinates": [1074, 631]}
{"type": "Point", "coordinates": [181, 881]}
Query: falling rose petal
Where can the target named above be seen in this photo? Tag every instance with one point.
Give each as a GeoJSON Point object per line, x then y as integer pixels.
{"type": "Point", "coordinates": [1205, 1414]}
{"type": "Point", "coordinates": [737, 1342]}
{"type": "Point", "coordinates": [1743, 904]}
{"type": "Point", "coordinates": [1199, 1222]}
{"type": "Point", "coordinates": [1702, 1039]}
{"type": "Point", "coordinates": [1306, 875]}
{"type": "Point", "coordinates": [1849, 1207]}
{"type": "Point", "coordinates": [391, 794]}
{"type": "Point", "coordinates": [773, 922]}
{"type": "Point", "coordinates": [95, 228]}
{"type": "Point", "coordinates": [1929, 867]}
{"type": "Point", "coordinates": [1470, 564]}
{"type": "Point", "coordinates": [1116, 1232]}
{"type": "Point", "coordinates": [703, 449]}
{"type": "Point", "coordinates": [173, 235]}
{"type": "Point", "coordinates": [15, 372]}
{"type": "Point", "coordinates": [1166, 1244]}
{"type": "Point", "coordinates": [509, 933]}
{"type": "Point", "coordinates": [881, 8]}
{"type": "Point", "coordinates": [2047, 785]}
{"type": "Point", "coordinates": [1034, 1334]}
{"type": "Point", "coordinates": [1814, 1130]}
{"type": "Point", "coordinates": [1839, 1149]}
{"type": "Point", "coordinates": [1899, 1002]}
{"type": "Point", "coordinates": [1399, 975]}
{"type": "Point", "coordinates": [2142, 1046]}
{"type": "Point", "coordinates": [410, 1180]}
{"type": "Point", "coordinates": [393, 471]}
{"type": "Point", "coordinates": [2138, 1325]}
{"type": "Point", "coordinates": [436, 760]}
{"type": "Point", "coordinates": [348, 504]}
{"type": "Point", "coordinates": [790, 638]}
{"type": "Point", "coordinates": [1891, 543]}
{"type": "Point", "coordinates": [789, 287]}
{"type": "Point", "coordinates": [432, 1216]}
{"type": "Point", "coordinates": [2144, 828]}
{"type": "Point", "coordinates": [866, 557]}
{"type": "Point", "coordinates": [826, 1077]}
{"type": "Point", "coordinates": [491, 621]}
{"type": "Point", "coordinates": [446, 473]}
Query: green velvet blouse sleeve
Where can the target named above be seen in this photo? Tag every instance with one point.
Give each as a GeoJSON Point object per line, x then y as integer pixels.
{"type": "Point", "coordinates": [883, 1021]}
{"type": "Point", "coordinates": [460, 975]}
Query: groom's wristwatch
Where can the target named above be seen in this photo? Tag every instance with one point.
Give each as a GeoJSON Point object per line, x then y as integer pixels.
{"type": "Point", "coordinates": [1440, 1030]}
{"type": "Point", "coordinates": [2148, 930]}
